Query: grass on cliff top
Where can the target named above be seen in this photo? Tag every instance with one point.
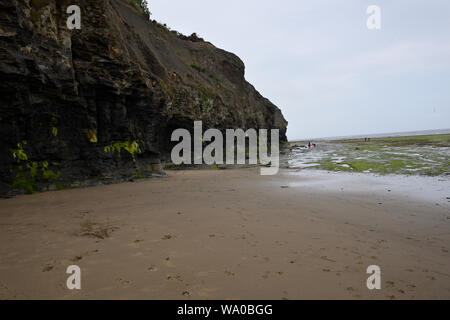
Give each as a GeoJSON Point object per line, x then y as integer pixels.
{"type": "Point", "coordinates": [141, 6]}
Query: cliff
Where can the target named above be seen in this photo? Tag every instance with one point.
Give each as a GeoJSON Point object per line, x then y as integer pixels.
{"type": "Point", "coordinates": [100, 103]}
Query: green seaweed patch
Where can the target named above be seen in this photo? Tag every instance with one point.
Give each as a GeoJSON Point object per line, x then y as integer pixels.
{"type": "Point", "coordinates": [54, 125]}
{"type": "Point", "coordinates": [26, 173]}
{"type": "Point", "coordinates": [437, 140]}
{"type": "Point", "coordinates": [92, 135]}
{"type": "Point", "coordinates": [330, 166]}
{"type": "Point", "coordinates": [47, 173]}
{"type": "Point", "coordinates": [23, 180]}
{"type": "Point", "coordinates": [138, 174]}
{"type": "Point", "coordinates": [382, 166]}
{"type": "Point", "coordinates": [413, 155]}
{"type": "Point", "coordinates": [132, 147]}
{"type": "Point", "coordinates": [19, 153]}
{"type": "Point", "coordinates": [169, 166]}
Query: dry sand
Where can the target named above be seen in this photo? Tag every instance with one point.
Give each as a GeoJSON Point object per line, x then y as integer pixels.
{"type": "Point", "coordinates": [231, 234]}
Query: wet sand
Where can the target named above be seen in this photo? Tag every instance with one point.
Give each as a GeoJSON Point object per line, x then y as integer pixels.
{"type": "Point", "coordinates": [231, 234]}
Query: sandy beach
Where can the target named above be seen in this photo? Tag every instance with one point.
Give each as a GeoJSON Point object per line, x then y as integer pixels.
{"type": "Point", "coordinates": [231, 234]}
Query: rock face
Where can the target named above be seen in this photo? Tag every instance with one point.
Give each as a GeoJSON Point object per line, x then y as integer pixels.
{"type": "Point", "coordinates": [100, 103]}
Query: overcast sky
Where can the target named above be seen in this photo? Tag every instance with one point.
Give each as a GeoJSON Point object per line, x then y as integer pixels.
{"type": "Point", "coordinates": [318, 61]}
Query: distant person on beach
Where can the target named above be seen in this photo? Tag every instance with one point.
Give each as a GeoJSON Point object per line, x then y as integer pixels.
{"type": "Point", "coordinates": [309, 144]}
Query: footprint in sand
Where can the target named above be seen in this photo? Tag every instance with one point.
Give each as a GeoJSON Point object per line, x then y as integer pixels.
{"type": "Point", "coordinates": [169, 263]}
{"type": "Point", "coordinates": [47, 267]}
{"type": "Point", "coordinates": [80, 256]}
{"type": "Point", "coordinates": [152, 268]}
{"type": "Point", "coordinates": [82, 214]}
{"type": "Point", "coordinates": [390, 284]}
{"type": "Point", "coordinates": [123, 282]}
{"type": "Point", "coordinates": [186, 293]}
{"type": "Point", "coordinates": [175, 278]}
{"type": "Point", "coordinates": [327, 259]}
{"type": "Point", "coordinates": [96, 230]}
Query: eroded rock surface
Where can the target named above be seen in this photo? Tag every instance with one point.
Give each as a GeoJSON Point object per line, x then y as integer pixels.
{"type": "Point", "coordinates": [100, 103]}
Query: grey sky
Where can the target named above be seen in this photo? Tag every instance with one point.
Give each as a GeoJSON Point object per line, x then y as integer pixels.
{"type": "Point", "coordinates": [318, 62]}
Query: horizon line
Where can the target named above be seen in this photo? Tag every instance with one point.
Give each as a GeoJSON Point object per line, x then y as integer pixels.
{"type": "Point", "coordinates": [375, 135]}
